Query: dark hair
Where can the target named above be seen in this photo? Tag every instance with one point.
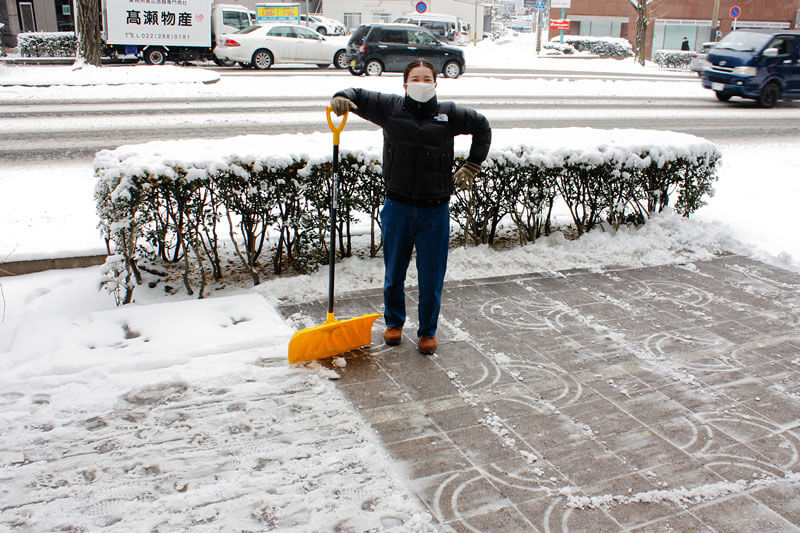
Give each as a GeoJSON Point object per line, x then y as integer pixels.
{"type": "Point", "coordinates": [419, 62]}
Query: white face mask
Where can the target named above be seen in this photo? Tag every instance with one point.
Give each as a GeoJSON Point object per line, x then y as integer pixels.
{"type": "Point", "coordinates": [421, 92]}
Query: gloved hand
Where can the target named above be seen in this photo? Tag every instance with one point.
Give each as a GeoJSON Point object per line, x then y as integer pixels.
{"type": "Point", "coordinates": [340, 105]}
{"type": "Point", "coordinates": [464, 175]}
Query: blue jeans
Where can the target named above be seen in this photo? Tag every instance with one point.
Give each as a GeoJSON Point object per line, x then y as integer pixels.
{"type": "Point", "coordinates": [428, 229]}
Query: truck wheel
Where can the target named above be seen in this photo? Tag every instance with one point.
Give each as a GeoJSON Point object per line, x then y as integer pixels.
{"type": "Point", "coordinates": [770, 94]}
{"type": "Point", "coordinates": [262, 59]}
{"type": "Point", "coordinates": [722, 96]}
{"type": "Point", "coordinates": [452, 70]}
{"type": "Point", "coordinates": [374, 68]}
{"type": "Point", "coordinates": [340, 59]}
{"type": "Point", "coordinates": [155, 56]}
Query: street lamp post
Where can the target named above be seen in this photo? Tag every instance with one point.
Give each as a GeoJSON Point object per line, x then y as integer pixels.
{"type": "Point", "coordinates": [714, 21]}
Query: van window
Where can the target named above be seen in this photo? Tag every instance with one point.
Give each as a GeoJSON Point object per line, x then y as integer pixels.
{"type": "Point", "coordinates": [783, 44]}
{"type": "Point", "coordinates": [743, 41]}
{"type": "Point", "coordinates": [237, 19]}
{"type": "Point", "coordinates": [393, 36]}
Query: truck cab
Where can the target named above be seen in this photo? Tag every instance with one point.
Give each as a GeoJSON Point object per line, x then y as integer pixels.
{"type": "Point", "coordinates": [760, 65]}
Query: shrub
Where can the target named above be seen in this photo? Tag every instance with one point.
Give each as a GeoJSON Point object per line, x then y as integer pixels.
{"type": "Point", "coordinates": [601, 46]}
{"type": "Point", "coordinates": [47, 44]}
{"type": "Point", "coordinates": [677, 59]}
{"type": "Point", "coordinates": [165, 202]}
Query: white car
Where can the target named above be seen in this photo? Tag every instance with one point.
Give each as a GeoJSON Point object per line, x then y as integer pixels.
{"type": "Point", "coordinates": [265, 45]}
{"type": "Point", "coordinates": [323, 25]}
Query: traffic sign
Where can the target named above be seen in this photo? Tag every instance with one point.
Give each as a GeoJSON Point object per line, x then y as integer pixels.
{"type": "Point", "coordinates": [559, 24]}
{"type": "Point", "coordinates": [421, 7]}
{"type": "Point", "coordinates": [540, 6]}
{"type": "Point", "coordinates": [736, 11]}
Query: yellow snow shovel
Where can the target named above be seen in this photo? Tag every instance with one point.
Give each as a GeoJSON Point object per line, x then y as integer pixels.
{"type": "Point", "coordinates": [334, 336]}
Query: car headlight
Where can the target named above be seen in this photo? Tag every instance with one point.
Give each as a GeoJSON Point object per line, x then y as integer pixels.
{"type": "Point", "coordinates": [745, 71]}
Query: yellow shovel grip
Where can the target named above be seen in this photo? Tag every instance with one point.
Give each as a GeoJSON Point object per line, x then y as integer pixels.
{"type": "Point", "coordinates": [335, 129]}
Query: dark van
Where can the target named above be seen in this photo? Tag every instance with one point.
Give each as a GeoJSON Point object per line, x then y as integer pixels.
{"type": "Point", "coordinates": [760, 65]}
{"type": "Point", "coordinates": [377, 48]}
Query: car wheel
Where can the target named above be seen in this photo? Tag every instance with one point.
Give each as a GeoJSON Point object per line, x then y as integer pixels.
{"type": "Point", "coordinates": [262, 59]}
{"type": "Point", "coordinates": [452, 70]}
{"type": "Point", "coordinates": [770, 94]}
{"type": "Point", "coordinates": [722, 96]}
{"type": "Point", "coordinates": [356, 71]}
{"type": "Point", "coordinates": [340, 59]}
{"type": "Point", "coordinates": [322, 31]}
{"type": "Point", "coordinates": [374, 68]}
{"type": "Point", "coordinates": [155, 56]}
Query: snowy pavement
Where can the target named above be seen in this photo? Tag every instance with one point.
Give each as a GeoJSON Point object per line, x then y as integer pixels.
{"type": "Point", "coordinates": [648, 399]}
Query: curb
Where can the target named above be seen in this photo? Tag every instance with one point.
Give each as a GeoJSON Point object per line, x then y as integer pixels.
{"type": "Point", "coordinates": [18, 268]}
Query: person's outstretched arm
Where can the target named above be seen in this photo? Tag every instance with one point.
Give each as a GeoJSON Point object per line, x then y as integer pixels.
{"type": "Point", "coordinates": [370, 105]}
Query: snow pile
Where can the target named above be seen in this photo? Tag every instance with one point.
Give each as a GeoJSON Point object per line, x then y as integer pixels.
{"type": "Point", "coordinates": [680, 495]}
{"type": "Point", "coordinates": [85, 75]}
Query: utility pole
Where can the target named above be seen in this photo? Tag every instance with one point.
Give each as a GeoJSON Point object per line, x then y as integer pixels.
{"type": "Point", "coordinates": [715, 21]}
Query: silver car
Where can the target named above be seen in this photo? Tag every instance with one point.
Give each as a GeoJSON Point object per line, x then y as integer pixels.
{"type": "Point", "coordinates": [699, 61]}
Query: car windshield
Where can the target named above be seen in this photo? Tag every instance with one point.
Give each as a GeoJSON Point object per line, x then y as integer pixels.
{"type": "Point", "coordinates": [743, 41]}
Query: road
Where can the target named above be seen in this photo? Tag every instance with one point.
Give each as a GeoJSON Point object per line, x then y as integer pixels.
{"type": "Point", "coordinates": [74, 130]}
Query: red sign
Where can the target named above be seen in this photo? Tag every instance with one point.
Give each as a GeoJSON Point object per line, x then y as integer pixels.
{"type": "Point", "coordinates": [559, 24]}
{"type": "Point", "coordinates": [421, 7]}
{"type": "Point", "coordinates": [736, 11]}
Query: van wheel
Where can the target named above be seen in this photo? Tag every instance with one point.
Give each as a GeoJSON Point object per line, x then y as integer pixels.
{"type": "Point", "coordinates": [374, 68]}
{"type": "Point", "coordinates": [452, 70]}
{"type": "Point", "coordinates": [770, 94]}
{"type": "Point", "coordinates": [155, 56]}
{"type": "Point", "coordinates": [723, 97]}
{"type": "Point", "coordinates": [340, 59]}
{"type": "Point", "coordinates": [262, 59]}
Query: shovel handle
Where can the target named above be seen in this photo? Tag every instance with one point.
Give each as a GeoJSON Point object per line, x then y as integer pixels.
{"type": "Point", "coordinates": [335, 129]}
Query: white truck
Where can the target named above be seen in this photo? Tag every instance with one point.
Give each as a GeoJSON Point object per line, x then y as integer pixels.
{"type": "Point", "coordinates": [174, 30]}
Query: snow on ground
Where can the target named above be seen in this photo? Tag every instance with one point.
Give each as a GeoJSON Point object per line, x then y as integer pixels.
{"type": "Point", "coordinates": [182, 414]}
{"type": "Point", "coordinates": [85, 75]}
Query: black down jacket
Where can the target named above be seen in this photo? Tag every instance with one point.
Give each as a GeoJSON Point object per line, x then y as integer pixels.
{"type": "Point", "coordinates": [418, 143]}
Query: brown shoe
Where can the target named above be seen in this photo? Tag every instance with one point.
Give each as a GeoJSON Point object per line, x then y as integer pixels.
{"type": "Point", "coordinates": [427, 345]}
{"type": "Point", "coordinates": [393, 335]}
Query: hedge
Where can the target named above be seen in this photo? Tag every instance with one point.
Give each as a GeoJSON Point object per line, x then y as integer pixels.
{"type": "Point", "coordinates": [171, 202]}
{"type": "Point", "coordinates": [601, 46]}
{"type": "Point", "coordinates": [47, 44]}
{"type": "Point", "coordinates": [677, 59]}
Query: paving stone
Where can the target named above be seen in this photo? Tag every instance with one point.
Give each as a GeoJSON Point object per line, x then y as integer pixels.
{"type": "Point", "coordinates": [636, 383]}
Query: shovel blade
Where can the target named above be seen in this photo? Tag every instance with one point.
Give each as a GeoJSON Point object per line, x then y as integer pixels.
{"type": "Point", "coordinates": [331, 338]}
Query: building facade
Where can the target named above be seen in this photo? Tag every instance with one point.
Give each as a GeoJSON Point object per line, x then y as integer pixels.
{"type": "Point", "coordinates": [669, 21]}
{"type": "Point", "coordinates": [353, 14]}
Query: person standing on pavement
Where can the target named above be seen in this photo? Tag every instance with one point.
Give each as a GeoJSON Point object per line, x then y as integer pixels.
{"type": "Point", "coordinates": [418, 133]}
{"type": "Point", "coordinates": [685, 44]}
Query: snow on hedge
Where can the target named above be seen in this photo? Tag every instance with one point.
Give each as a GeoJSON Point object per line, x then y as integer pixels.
{"type": "Point", "coordinates": [602, 46]}
{"type": "Point", "coordinates": [548, 147]}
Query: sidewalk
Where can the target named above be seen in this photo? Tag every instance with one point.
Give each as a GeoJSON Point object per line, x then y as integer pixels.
{"type": "Point", "coordinates": [650, 399]}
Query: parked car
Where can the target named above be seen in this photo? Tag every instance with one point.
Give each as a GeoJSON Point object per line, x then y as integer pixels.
{"type": "Point", "coordinates": [377, 48]}
{"type": "Point", "coordinates": [262, 46]}
{"type": "Point", "coordinates": [760, 65]}
{"type": "Point", "coordinates": [323, 25]}
{"type": "Point", "coordinates": [699, 60]}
